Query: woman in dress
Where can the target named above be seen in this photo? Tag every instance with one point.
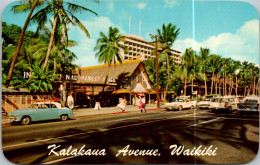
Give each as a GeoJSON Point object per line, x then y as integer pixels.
{"type": "Point", "coordinates": [140, 104]}
{"type": "Point", "coordinates": [121, 104]}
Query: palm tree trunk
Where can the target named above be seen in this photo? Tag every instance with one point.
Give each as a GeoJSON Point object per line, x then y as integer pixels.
{"type": "Point", "coordinates": [103, 89]}
{"type": "Point", "coordinates": [216, 84]}
{"type": "Point", "coordinates": [192, 87]}
{"type": "Point", "coordinates": [205, 83]}
{"type": "Point", "coordinates": [225, 83]}
{"type": "Point", "coordinates": [55, 65]}
{"type": "Point", "coordinates": [230, 85]}
{"type": "Point", "coordinates": [223, 90]}
{"type": "Point", "coordinates": [168, 76]}
{"type": "Point", "coordinates": [20, 42]}
{"type": "Point", "coordinates": [219, 85]}
{"type": "Point", "coordinates": [212, 83]}
{"type": "Point", "coordinates": [236, 85]}
{"type": "Point", "coordinates": [185, 86]}
{"type": "Point", "coordinates": [257, 87]}
{"type": "Point", "coordinates": [254, 86]}
{"type": "Point", "coordinates": [51, 41]}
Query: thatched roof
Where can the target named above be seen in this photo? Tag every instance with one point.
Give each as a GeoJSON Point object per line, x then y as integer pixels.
{"type": "Point", "coordinates": [98, 74]}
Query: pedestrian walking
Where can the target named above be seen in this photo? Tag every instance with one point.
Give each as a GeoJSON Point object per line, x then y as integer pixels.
{"type": "Point", "coordinates": [133, 101]}
{"type": "Point", "coordinates": [144, 104]}
{"type": "Point", "coordinates": [140, 104]}
{"type": "Point", "coordinates": [121, 104]}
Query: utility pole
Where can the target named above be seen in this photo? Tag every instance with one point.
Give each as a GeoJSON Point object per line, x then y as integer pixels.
{"type": "Point", "coordinates": [157, 73]}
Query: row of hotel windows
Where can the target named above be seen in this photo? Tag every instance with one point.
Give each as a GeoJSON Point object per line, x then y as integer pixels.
{"type": "Point", "coordinates": [138, 57]}
{"type": "Point", "coordinates": [129, 44]}
{"type": "Point", "coordinates": [137, 52]}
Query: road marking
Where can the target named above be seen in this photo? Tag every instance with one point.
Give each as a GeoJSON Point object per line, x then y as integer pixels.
{"type": "Point", "coordinates": [205, 122]}
{"type": "Point", "coordinates": [86, 124]}
{"type": "Point", "coordinates": [85, 133]}
{"type": "Point", "coordinates": [58, 160]}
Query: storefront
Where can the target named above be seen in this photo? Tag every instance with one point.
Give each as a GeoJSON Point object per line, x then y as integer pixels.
{"type": "Point", "coordinates": [106, 84]}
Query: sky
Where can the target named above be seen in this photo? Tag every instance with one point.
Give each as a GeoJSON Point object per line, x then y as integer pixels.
{"type": "Point", "coordinates": [227, 28]}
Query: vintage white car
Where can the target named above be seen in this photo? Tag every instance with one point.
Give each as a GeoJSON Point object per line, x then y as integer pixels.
{"type": "Point", "coordinates": [40, 111]}
{"type": "Point", "coordinates": [249, 104]}
{"type": "Point", "coordinates": [225, 103]}
{"type": "Point", "coordinates": [180, 104]}
{"type": "Point", "coordinates": [205, 103]}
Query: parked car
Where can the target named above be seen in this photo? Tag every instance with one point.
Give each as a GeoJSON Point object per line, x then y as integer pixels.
{"type": "Point", "coordinates": [240, 98]}
{"type": "Point", "coordinates": [204, 104]}
{"type": "Point", "coordinates": [180, 104]}
{"type": "Point", "coordinates": [249, 104]}
{"type": "Point", "coordinates": [225, 103]}
{"type": "Point", "coordinates": [40, 111]}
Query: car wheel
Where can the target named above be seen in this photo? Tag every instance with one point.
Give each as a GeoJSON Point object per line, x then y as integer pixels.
{"type": "Point", "coordinates": [26, 120]}
{"type": "Point", "coordinates": [64, 117]}
{"type": "Point", "coordinates": [192, 107]}
{"type": "Point", "coordinates": [180, 108]}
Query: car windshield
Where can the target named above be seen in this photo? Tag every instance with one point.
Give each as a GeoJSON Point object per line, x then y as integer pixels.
{"type": "Point", "coordinates": [251, 100]}
{"type": "Point", "coordinates": [178, 100]}
{"type": "Point", "coordinates": [33, 106]}
{"type": "Point", "coordinates": [218, 100]}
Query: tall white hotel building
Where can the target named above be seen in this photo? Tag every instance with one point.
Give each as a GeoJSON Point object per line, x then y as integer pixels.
{"type": "Point", "coordinates": [138, 48]}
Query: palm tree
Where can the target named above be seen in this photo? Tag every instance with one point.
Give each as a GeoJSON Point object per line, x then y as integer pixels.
{"type": "Point", "coordinates": [195, 69]}
{"type": "Point", "coordinates": [167, 37]}
{"type": "Point", "coordinates": [203, 57]}
{"type": "Point", "coordinates": [108, 48]}
{"type": "Point", "coordinates": [214, 64]}
{"type": "Point", "coordinates": [150, 69]}
{"type": "Point", "coordinates": [193, 66]}
{"type": "Point", "coordinates": [255, 73]}
{"type": "Point", "coordinates": [245, 77]}
{"type": "Point", "coordinates": [59, 51]}
{"type": "Point", "coordinates": [232, 67]}
{"type": "Point", "coordinates": [40, 80]}
{"type": "Point", "coordinates": [63, 13]}
{"type": "Point", "coordinates": [18, 9]}
{"type": "Point", "coordinates": [183, 69]}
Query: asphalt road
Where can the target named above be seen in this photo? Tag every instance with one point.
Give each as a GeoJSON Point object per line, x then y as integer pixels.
{"type": "Point", "coordinates": [234, 137]}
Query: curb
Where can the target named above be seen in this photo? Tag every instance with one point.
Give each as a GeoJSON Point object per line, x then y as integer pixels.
{"type": "Point", "coordinates": [6, 121]}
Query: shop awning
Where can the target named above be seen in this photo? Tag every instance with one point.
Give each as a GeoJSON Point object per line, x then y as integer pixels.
{"type": "Point", "coordinates": [119, 91]}
{"type": "Point", "coordinates": [91, 93]}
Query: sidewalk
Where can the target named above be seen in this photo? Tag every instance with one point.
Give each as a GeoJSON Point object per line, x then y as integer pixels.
{"type": "Point", "coordinates": [109, 110]}
{"type": "Point", "coordinates": [106, 110]}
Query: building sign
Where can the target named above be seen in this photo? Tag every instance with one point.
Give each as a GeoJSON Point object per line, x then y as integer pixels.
{"type": "Point", "coordinates": [75, 77]}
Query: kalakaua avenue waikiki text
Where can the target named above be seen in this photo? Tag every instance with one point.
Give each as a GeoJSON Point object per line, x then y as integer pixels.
{"type": "Point", "coordinates": [174, 149]}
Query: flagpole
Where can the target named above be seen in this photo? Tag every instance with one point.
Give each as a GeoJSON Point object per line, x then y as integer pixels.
{"type": "Point", "coordinates": [140, 22]}
{"type": "Point", "coordinates": [129, 25]}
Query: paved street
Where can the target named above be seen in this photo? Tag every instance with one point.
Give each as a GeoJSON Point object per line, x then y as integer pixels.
{"type": "Point", "coordinates": [233, 136]}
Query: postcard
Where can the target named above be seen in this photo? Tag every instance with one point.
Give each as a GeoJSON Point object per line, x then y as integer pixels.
{"type": "Point", "coordinates": [130, 82]}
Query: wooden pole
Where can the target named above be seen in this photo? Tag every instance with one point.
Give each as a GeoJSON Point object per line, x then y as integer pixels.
{"type": "Point", "coordinates": [157, 73]}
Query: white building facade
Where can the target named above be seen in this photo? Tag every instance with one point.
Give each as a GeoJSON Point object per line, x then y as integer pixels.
{"type": "Point", "coordinates": [138, 48]}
